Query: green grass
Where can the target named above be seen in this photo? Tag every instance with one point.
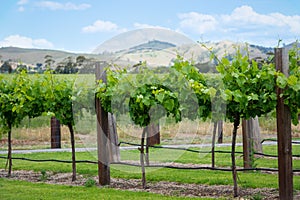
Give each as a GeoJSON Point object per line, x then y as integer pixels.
{"type": "Point", "coordinates": [13, 189]}
{"type": "Point", "coordinates": [246, 179]}
{"type": "Point", "coordinates": [37, 122]}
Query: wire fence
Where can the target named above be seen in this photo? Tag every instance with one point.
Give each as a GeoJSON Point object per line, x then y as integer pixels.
{"type": "Point", "coordinates": [275, 140]}
{"type": "Point", "coordinates": [169, 166]}
{"type": "Point", "coordinates": [216, 151]}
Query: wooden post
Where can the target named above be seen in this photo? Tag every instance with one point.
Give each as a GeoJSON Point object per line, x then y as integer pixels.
{"type": "Point", "coordinates": [102, 133]}
{"type": "Point", "coordinates": [246, 145]}
{"type": "Point", "coordinates": [251, 140]}
{"type": "Point", "coordinates": [255, 135]}
{"type": "Point", "coordinates": [55, 133]}
{"type": "Point", "coordinates": [285, 167]}
{"type": "Point", "coordinates": [153, 138]}
{"type": "Point", "coordinates": [113, 139]}
{"type": "Point", "coordinates": [220, 131]}
{"type": "Point", "coordinates": [213, 145]}
{"type": "Point", "coordinates": [142, 157]}
{"type": "Point", "coordinates": [153, 134]}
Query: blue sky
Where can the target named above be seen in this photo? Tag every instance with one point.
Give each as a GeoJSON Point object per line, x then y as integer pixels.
{"type": "Point", "coordinates": [82, 25]}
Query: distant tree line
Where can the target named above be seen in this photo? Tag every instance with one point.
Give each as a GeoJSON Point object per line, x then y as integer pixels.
{"type": "Point", "coordinates": [69, 65]}
{"type": "Point", "coordinates": [81, 64]}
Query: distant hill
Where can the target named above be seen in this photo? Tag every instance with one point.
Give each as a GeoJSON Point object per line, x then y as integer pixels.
{"type": "Point", "coordinates": [152, 45]}
{"type": "Point", "coordinates": [155, 52]}
{"type": "Point", "coordinates": [33, 56]}
{"type": "Point", "coordinates": [127, 40]}
{"type": "Point", "coordinates": [262, 48]}
{"type": "Point", "coordinates": [292, 45]}
{"type": "Point", "coordinates": [158, 53]}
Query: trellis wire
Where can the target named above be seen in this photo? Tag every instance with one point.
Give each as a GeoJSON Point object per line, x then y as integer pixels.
{"type": "Point", "coordinates": [151, 166]}
{"type": "Point", "coordinates": [166, 166]}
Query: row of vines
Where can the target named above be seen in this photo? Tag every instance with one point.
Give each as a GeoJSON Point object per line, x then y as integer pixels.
{"type": "Point", "coordinates": [23, 95]}
{"type": "Point", "coordinates": [243, 89]}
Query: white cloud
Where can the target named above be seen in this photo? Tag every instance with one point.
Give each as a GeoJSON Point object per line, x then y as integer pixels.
{"type": "Point", "coordinates": [140, 26]}
{"type": "Point", "coordinates": [25, 42]}
{"type": "Point", "coordinates": [22, 2]}
{"type": "Point", "coordinates": [243, 23]}
{"type": "Point", "coordinates": [198, 22]}
{"type": "Point", "coordinates": [245, 16]}
{"type": "Point", "coordinates": [53, 5]}
{"type": "Point", "coordinates": [102, 26]}
{"type": "Point", "coordinates": [21, 9]}
{"type": "Point", "coordinates": [21, 5]}
{"type": "Point", "coordinates": [292, 22]}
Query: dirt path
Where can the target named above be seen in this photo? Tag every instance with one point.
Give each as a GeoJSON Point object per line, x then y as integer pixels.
{"type": "Point", "coordinates": [162, 187]}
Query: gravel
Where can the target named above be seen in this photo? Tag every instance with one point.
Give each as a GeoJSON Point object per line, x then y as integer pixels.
{"type": "Point", "coordinates": [161, 187]}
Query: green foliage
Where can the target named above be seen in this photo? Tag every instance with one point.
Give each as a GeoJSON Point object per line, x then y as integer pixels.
{"type": "Point", "coordinates": [181, 92]}
{"type": "Point", "coordinates": [20, 96]}
{"type": "Point", "coordinates": [23, 96]}
{"type": "Point", "coordinates": [245, 88]}
{"type": "Point", "coordinates": [199, 87]}
{"type": "Point", "coordinates": [58, 98]}
{"type": "Point", "coordinates": [249, 89]}
{"type": "Point", "coordinates": [116, 88]}
{"type": "Point", "coordinates": [147, 96]}
{"type": "Point", "coordinates": [257, 196]}
{"type": "Point", "coordinates": [44, 175]}
{"type": "Point", "coordinates": [90, 182]}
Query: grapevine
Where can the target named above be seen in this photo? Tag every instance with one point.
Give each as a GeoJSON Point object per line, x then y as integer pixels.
{"type": "Point", "coordinates": [180, 91]}
{"type": "Point", "coordinates": [19, 97]}
{"type": "Point", "coordinates": [150, 95]}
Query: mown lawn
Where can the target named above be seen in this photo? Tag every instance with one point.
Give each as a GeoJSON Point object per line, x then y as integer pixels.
{"type": "Point", "coordinates": [22, 190]}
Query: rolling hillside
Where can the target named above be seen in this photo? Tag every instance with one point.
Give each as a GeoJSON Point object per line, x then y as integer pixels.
{"type": "Point", "coordinates": [33, 56]}
{"type": "Point", "coordinates": [154, 52]}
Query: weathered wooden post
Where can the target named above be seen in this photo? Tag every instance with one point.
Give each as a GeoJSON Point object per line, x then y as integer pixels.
{"type": "Point", "coordinates": [102, 132]}
{"type": "Point", "coordinates": [285, 167]}
{"type": "Point", "coordinates": [251, 140]}
{"type": "Point", "coordinates": [55, 133]}
{"type": "Point", "coordinates": [153, 136]}
{"type": "Point", "coordinates": [220, 131]}
{"type": "Point", "coordinates": [213, 144]}
{"type": "Point", "coordinates": [218, 128]}
{"type": "Point", "coordinates": [113, 139]}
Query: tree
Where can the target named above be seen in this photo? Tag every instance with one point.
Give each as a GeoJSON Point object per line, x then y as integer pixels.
{"type": "Point", "coordinates": [249, 92]}
{"type": "Point", "coordinates": [9, 116]}
{"type": "Point", "coordinates": [59, 69]}
{"type": "Point", "coordinates": [19, 97]}
{"type": "Point", "coordinates": [59, 101]}
{"type": "Point", "coordinates": [88, 66]}
{"type": "Point", "coordinates": [6, 68]}
{"type": "Point", "coordinates": [67, 66]}
{"type": "Point", "coordinates": [21, 67]}
{"type": "Point", "coordinates": [182, 92]}
{"type": "Point", "coordinates": [49, 61]}
{"type": "Point", "coordinates": [80, 60]}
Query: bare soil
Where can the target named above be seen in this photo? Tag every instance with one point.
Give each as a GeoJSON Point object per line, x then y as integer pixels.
{"type": "Point", "coordinates": [162, 187]}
